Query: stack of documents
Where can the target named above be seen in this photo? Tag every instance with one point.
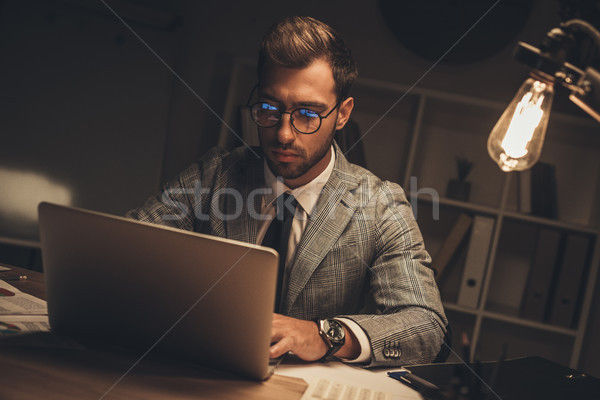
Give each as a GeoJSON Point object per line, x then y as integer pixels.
{"type": "Point", "coordinates": [21, 312]}
{"type": "Point", "coordinates": [339, 381]}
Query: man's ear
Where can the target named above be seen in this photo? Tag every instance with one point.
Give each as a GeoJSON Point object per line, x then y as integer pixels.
{"type": "Point", "coordinates": [344, 113]}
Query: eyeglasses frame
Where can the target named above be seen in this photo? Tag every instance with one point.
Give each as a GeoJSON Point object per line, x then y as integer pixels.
{"type": "Point", "coordinates": [321, 117]}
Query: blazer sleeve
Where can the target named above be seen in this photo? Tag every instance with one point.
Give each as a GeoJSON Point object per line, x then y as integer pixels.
{"type": "Point", "coordinates": [410, 324]}
{"type": "Point", "coordinates": [183, 201]}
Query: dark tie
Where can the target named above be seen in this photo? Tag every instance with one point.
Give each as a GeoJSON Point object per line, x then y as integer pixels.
{"type": "Point", "coordinates": [278, 234]}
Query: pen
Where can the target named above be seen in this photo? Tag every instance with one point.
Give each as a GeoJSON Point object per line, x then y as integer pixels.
{"type": "Point", "coordinates": [427, 389]}
{"type": "Point", "coordinates": [13, 278]}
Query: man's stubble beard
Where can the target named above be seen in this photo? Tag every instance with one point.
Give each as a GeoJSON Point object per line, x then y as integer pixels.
{"type": "Point", "coordinates": [289, 172]}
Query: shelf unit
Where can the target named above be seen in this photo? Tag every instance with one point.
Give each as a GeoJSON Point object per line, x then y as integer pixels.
{"type": "Point", "coordinates": [412, 136]}
{"type": "Point", "coordinates": [503, 210]}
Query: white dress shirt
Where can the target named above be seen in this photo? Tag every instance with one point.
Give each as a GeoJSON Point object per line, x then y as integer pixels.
{"type": "Point", "coordinates": [307, 197]}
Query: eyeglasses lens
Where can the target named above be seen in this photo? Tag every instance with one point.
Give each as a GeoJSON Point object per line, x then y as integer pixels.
{"type": "Point", "coordinates": [304, 120]}
{"type": "Point", "coordinates": [265, 115]}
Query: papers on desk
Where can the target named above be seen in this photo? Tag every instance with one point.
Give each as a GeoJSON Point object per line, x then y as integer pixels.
{"type": "Point", "coordinates": [21, 312]}
{"type": "Point", "coordinates": [345, 381]}
{"type": "Point", "coordinates": [15, 324]}
{"type": "Point", "coordinates": [13, 301]}
{"type": "Point", "coordinates": [327, 390]}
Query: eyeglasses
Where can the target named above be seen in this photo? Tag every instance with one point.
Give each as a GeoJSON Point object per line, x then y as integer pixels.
{"type": "Point", "coordinates": [304, 120]}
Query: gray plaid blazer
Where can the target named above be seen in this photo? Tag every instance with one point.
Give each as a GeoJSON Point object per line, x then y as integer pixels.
{"type": "Point", "coordinates": [361, 256]}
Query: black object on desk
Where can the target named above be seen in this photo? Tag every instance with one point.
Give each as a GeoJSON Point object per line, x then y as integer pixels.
{"type": "Point", "coordinates": [427, 389]}
{"type": "Point", "coordinates": [524, 378]}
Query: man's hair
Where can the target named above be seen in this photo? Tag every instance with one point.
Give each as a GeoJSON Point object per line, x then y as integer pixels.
{"type": "Point", "coordinates": [296, 42]}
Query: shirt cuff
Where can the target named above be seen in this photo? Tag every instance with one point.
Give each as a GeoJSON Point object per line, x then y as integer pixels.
{"type": "Point", "coordinates": [363, 341]}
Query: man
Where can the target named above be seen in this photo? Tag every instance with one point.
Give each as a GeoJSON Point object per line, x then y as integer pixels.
{"type": "Point", "coordinates": [353, 239]}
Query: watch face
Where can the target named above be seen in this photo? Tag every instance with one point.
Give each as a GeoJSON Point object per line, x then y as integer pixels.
{"type": "Point", "coordinates": [334, 330]}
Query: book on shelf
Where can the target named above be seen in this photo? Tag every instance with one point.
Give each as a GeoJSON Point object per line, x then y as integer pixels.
{"type": "Point", "coordinates": [569, 282]}
{"type": "Point", "coordinates": [448, 249]}
{"type": "Point", "coordinates": [545, 259]}
{"type": "Point", "coordinates": [476, 261]}
{"type": "Point", "coordinates": [543, 190]}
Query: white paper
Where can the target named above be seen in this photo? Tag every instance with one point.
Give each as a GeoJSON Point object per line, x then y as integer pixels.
{"type": "Point", "coordinates": [16, 324]}
{"type": "Point", "coordinates": [13, 301]}
{"type": "Point", "coordinates": [347, 376]}
{"type": "Point", "coordinates": [325, 389]}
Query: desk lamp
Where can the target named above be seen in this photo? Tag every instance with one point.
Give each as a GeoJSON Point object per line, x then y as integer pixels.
{"type": "Point", "coordinates": [516, 141]}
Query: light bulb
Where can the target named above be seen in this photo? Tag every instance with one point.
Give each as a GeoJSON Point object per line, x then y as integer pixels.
{"type": "Point", "coordinates": [517, 138]}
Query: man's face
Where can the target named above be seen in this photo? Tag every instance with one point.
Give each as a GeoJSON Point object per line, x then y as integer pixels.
{"type": "Point", "coordinates": [298, 157]}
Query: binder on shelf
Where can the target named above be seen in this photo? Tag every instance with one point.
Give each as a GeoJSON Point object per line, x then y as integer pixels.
{"type": "Point", "coordinates": [543, 190]}
{"type": "Point", "coordinates": [569, 283]}
{"type": "Point", "coordinates": [524, 191]}
{"type": "Point", "coordinates": [539, 282]}
{"type": "Point", "coordinates": [451, 244]}
{"type": "Point", "coordinates": [476, 261]}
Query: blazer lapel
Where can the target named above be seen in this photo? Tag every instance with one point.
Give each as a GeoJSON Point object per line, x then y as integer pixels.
{"type": "Point", "coordinates": [334, 210]}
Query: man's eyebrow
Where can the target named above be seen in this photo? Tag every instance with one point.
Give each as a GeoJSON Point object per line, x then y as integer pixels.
{"type": "Point", "coordinates": [312, 104]}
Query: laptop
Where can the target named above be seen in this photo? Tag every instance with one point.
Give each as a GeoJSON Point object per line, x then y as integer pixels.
{"type": "Point", "coordinates": [187, 296]}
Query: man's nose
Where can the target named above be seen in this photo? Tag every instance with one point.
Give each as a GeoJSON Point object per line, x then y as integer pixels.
{"type": "Point", "coordinates": [285, 131]}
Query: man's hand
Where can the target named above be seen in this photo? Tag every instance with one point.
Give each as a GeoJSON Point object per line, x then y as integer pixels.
{"type": "Point", "coordinates": [296, 335]}
{"type": "Point", "coordinates": [303, 339]}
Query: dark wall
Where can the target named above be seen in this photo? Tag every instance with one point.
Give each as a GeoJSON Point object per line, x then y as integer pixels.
{"type": "Point", "coordinates": [84, 110]}
{"type": "Point", "coordinates": [95, 115]}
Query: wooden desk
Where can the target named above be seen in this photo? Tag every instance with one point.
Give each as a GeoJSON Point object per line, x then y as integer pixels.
{"type": "Point", "coordinates": [34, 373]}
{"type": "Point", "coordinates": [34, 284]}
{"type": "Point", "coordinates": [30, 372]}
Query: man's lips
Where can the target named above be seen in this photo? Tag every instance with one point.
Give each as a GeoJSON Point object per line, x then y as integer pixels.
{"type": "Point", "coordinates": [284, 155]}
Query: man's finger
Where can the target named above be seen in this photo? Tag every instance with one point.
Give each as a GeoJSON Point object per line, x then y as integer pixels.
{"type": "Point", "coordinates": [279, 348]}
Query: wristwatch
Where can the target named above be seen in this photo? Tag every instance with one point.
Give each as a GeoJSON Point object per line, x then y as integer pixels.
{"type": "Point", "coordinates": [333, 333]}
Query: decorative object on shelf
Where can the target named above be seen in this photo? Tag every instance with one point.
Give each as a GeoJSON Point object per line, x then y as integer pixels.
{"type": "Point", "coordinates": [459, 189]}
{"type": "Point", "coordinates": [516, 140]}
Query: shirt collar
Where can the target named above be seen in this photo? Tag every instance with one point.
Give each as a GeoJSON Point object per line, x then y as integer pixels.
{"type": "Point", "coordinates": [306, 195]}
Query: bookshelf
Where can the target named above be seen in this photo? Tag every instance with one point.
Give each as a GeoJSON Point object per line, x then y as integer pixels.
{"type": "Point", "coordinates": [416, 143]}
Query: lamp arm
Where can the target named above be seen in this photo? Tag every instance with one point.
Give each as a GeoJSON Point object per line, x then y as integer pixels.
{"type": "Point", "coordinates": [586, 92]}
{"type": "Point", "coordinates": [585, 27]}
